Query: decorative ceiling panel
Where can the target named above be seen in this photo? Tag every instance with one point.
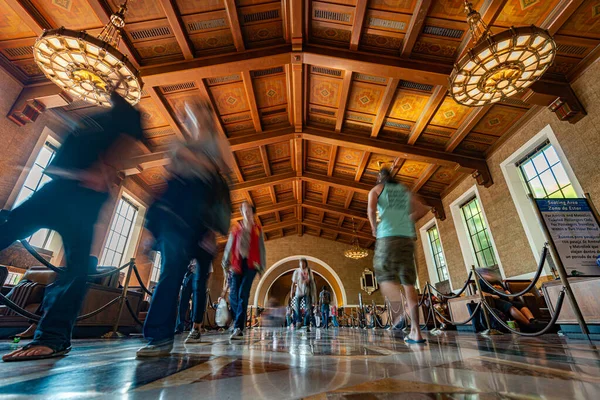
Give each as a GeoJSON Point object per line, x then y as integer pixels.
{"type": "Point", "coordinates": [499, 119]}
{"type": "Point", "coordinates": [450, 114]}
{"type": "Point", "coordinates": [404, 6]}
{"type": "Point", "coordinates": [154, 176]}
{"type": "Point", "coordinates": [158, 48]}
{"type": "Point", "coordinates": [198, 6]}
{"type": "Point", "coordinates": [349, 157]}
{"type": "Point", "coordinates": [178, 101]}
{"type": "Point", "coordinates": [278, 151]}
{"type": "Point", "coordinates": [74, 14]}
{"type": "Point", "coordinates": [584, 22]}
{"type": "Point", "coordinates": [325, 91]}
{"type": "Point", "coordinates": [151, 116]}
{"type": "Point", "coordinates": [270, 91]}
{"type": "Point", "coordinates": [139, 10]}
{"type": "Point", "coordinates": [413, 169]}
{"type": "Point", "coordinates": [331, 32]}
{"type": "Point", "coordinates": [365, 97]}
{"type": "Point", "coordinates": [408, 105]}
{"type": "Point", "coordinates": [471, 148]}
{"type": "Point", "coordinates": [525, 12]}
{"type": "Point", "coordinates": [445, 175]}
{"type": "Point", "coordinates": [452, 9]}
{"type": "Point", "coordinates": [433, 141]}
{"type": "Point", "coordinates": [249, 157]}
{"type": "Point", "coordinates": [11, 25]}
{"type": "Point", "coordinates": [268, 33]}
{"type": "Point", "coordinates": [317, 150]}
{"type": "Point", "coordinates": [230, 99]}
{"type": "Point", "coordinates": [377, 161]}
{"type": "Point", "coordinates": [436, 48]}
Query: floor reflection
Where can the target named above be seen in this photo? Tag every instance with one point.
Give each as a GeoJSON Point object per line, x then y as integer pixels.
{"type": "Point", "coordinates": [334, 364]}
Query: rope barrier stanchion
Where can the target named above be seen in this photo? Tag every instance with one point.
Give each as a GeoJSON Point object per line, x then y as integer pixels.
{"type": "Point", "coordinates": [455, 295]}
{"type": "Point", "coordinates": [559, 304]}
{"type": "Point", "coordinates": [435, 330]}
{"type": "Point", "coordinates": [38, 257]}
{"type": "Point", "coordinates": [141, 281]}
{"type": "Point", "coordinates": [490, 331]}
{"type": "Point", "coordinates": [114, 333]}
{"type": "Point", "coordinates": [462, 322]}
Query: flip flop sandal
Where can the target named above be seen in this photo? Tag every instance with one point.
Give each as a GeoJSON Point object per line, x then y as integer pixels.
{"type": "Point", "coordinates": [412, 341]}
{"type": "Point", "coordinates": [54, 354]}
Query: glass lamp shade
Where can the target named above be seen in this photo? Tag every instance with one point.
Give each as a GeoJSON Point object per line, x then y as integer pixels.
{"type": "Point", "coordinates": [502, 65]}
{"type": "Point", "coordinates": [356, 252]}
{"type": "Point", "coordinates": [86, 67]}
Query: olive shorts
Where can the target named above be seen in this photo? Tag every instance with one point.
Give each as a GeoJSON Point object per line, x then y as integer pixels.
{"type": "Point", "coordinates": [394, 260]}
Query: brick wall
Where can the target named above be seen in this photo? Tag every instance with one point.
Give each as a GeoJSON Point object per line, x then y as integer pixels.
{"type": "Point", "coordinates": [580, 143]}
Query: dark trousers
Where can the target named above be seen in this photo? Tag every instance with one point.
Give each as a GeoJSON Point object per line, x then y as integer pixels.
{"type": "Point", "coordinates": [72, 211]}
{"type": "Point", "coordinates": [239, 292]}
{"type": "Point", "coordinates": [325, 315]}
{"type": "Point", "coordinates": [177, 249]}
{"type": "Point", "coordinates": [308, 314]}
{"type": "Point", "coordinates": [194, 285]}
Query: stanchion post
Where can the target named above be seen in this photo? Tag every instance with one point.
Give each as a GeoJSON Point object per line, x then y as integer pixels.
{"type": "Point", "coordinates": [389, 312]}
{"type": "Point", "coordinates": [562, 272]}
{"type": "Point", "coordinates": [489, 330]}
{"type": "Point", "coordinates": [435, 329]}
{"type": "Point", "coordinates": [115, 334]}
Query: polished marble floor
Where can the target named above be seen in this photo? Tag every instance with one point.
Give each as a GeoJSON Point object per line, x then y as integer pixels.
{"type": "Point", "coordinates": [335, 364]}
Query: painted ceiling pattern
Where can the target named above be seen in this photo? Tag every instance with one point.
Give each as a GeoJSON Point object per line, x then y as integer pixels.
{"type": "Point", "coordinates": [353, 110]}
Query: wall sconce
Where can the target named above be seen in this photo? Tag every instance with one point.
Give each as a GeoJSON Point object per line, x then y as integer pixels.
{"type": "Point", "coordinates": [368, 281]}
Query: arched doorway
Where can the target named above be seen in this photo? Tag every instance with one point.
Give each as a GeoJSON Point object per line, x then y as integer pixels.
{"type": "Point", "coordinates": [287, 265]}
{"type": "Point", "coordinates": [279, 289]}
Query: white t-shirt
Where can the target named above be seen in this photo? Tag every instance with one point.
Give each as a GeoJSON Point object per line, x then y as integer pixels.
{"type": "Point", "coordinates": [302, 280]}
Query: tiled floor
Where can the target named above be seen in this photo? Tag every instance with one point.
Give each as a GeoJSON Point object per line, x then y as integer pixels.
{"type": "Point", "coordinates": [338, 364]}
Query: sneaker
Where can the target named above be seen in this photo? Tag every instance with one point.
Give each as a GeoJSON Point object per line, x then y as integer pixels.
{"type": "Point", "coordinates": [237, 334]}
{"type": "Point", "coordinates": [193, 337]}
{"type": "Point", "coordinates": [307, 328]}
{"type": "Point", "coordinates": [156, 350]}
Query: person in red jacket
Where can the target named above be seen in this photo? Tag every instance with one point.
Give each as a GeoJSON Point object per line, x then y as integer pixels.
{"type": "Point", "coordinates": [245, 256]}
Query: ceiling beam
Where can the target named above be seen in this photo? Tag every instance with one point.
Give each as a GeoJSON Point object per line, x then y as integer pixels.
{"type": "Point", "coordinates": [414, 27]}
{"type": "Point", "coordinates": [362, 165]}
{"type": "Point", "coordinates": [263, 182]}
{"type": "Point", "coordinates": [263, 210]}
{"type": "Point", "coordinates": [296, 12]}
{"type": "Point", "coordinates": [265, 160]}
{"type": "Point", "coordinates": [335, 209]}
{"type": "Point", "coordinates": [174, 19]}
{"type": "Point", "coordinates": [394, 149]}
{"type": "Point", "coordinates": [489, 12]}
{"type": "Point", "coordinates": [261, 139]}
{"type": "Point", "coordinates": [32, 23]}
{"type": "Point", "coordinates": [249, 88]}
{"type": "Point", "coordinates": [298, 154]}
{"type": "Point", "coordinates": [386, 102]}
{"type": "Point", "coordinates": [349, 198]}
{"type": "Point", "coordinates": [273, 197]}
{"type": "Point", "coordinates": [560, 14]}
{"type": "Point", "coordinates": [104, 14]}
{"type": "Point", "coordinates": [289, 92]}
{"type": "Point", "coordinates": [159, 102]}
{"type": "Point", "coordinates": [326, 194]}
{"type": "Point", "coordinates": [331, 162]}
{"type": "Point", "coordinates": [297, 88]}
{"type": "Point", "coordinates": [434, 102]}
{"type": "Point", "coordinates": [425, 176]}
{"type": "Point", "coordinates": [344, 94]}
{"type": "Point", "coordinates": [465, 128]}
{"type": "Point", "coordinates": [335, 228]}
{"type": "Point", "coordinates": [417, 71]}
{"type": "Point", "coordinates": [234, 24]}
{"type": "Point", "coordinates": [359, 20]}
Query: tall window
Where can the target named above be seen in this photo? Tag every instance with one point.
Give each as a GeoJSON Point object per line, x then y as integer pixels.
{"type": "Point", "coordinates": [156, 262]}
{"type": "Point", "coordinates": [437, 254]}
{"type": "Point", "coordinates": [36, 178]}
{"type": "Point", "coordinates": [545, 175]}
{"type": "Point", "coordinates": [478, 234]}
{"type": "Point", "coordinates": [118, 236]}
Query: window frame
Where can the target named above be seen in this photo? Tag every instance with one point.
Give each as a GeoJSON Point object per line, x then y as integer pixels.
{"type": "Point", "coordinates": [476, 236]}
{"type": "Point", "coordinates": [431, 265]}
{"type": "Point", "coordinates": [462, 230]}
{"type": "Point", "coordinates": [128, 237]}
{"type": "Point", "coordinates": [518, 190]}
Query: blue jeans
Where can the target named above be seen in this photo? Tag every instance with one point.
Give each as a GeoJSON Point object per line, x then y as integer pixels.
{"type": "Point", "coordinates": [178, 247]}
{"type": "Point", "coordinates": [72, 211]}
{"type": "Point", "coordinates": [325, 315]}
{"type": "Point", "coordinates": [308, 317]}
{"type": "Point", "coordinates": [194, 284]}
{"type": "Point", "coordinates": [335, 322]}
{"type": "Point", "coordinates": [239, 292]}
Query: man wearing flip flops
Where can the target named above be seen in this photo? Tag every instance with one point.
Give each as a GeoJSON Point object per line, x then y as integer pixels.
{"type": "Point", "coordinates": [394, 250]}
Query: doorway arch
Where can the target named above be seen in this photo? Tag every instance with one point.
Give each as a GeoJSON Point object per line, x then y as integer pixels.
{"type": "Point", "coordinates": [317, 265]}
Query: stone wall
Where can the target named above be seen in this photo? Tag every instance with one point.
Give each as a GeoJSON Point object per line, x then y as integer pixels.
{"type": "Point", "coordinates": [580, 143]}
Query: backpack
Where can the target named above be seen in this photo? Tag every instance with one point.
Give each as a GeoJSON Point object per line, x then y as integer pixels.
{"type": "Point", "coordinates": [326, 298]}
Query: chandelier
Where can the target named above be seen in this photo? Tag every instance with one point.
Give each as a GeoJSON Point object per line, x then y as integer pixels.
{"type": "Point", "coordinates": [355, 252]}
{"type": "Point", "coordinates": [87, 67]}
{"type": "Point", "coordinates": [501, 65]}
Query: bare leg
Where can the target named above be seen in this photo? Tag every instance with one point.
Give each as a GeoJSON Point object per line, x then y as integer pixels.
{"type": "Point", "coordinates": [527, 313]}
{"type": "Point", "coordinates": [33, 351]}
{"type": "Point", "coordinates": [518, 316]}
{"type": "Point", "coordinates": [28, 333]}
{"type": "Point", "coordinates": [393, 291]}
{"type": "Point", "coordinates": [197, 326]}
{"type": "Point", "coordinates": [413, 306]}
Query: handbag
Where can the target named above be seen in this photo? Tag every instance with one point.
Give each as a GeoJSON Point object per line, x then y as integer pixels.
{"type": "Point", "coordinates": [222, 315]}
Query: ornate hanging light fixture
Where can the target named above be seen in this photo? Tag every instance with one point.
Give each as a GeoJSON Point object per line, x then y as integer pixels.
{"type": "Point", "coordinates": [499, 66]}
{"type": "Point", "coordinates": [355, 252]}
{"type": "Point", "coordinates": [87, 67]}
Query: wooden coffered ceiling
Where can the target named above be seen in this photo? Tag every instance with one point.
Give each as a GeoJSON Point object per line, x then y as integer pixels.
{"type": "Point", "coordinates": [313, 95]}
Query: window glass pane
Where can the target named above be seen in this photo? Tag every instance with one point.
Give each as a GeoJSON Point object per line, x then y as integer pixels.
{"type": "Point", "coordinates": [551, 155]}
{"type": "Point", "coordinates": [561, 175]}
{"type": "Point", "coordinates": [474, 207]}
{"type": "Point", "coordinates": [44, 157]}
{"type": "Point", "coordinates": [118, 236]}
{"type": "Point", "coordinates": [537, 188]}
{"type": "Point", "coordinates": [476, 243]}
{"type": "Point", "coordinates": [119, 225]}
{"type": "Point", "coordinates": [540, 163]}
{"type": "Point", "coordinates": [130, 213]}
{"type": "Point", "coordinates": [549, 182]}
{"type": "Point", "coordinates": [483, 239]}
{"type": "Point", "coordinates": [528, 169]}
{"type": "Point", "coordinates": [489, 257]}
{"type": "Point", "coordinates": [23, 195]}
{"type": "Point", "coordinates": [34, 177]}
{"type": "Point", "coordinates": [479, 226]}
{"type": "Point", "coordinates": [480, 260]}
{"type": "Point", "coordinates": [467, 211]}
{"type": "Point", "coordinates": [38, 238]}
{"type": "Point", "coordinates": [569, 192]}
{"type": "Point", "coordinates": [556, 195]}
